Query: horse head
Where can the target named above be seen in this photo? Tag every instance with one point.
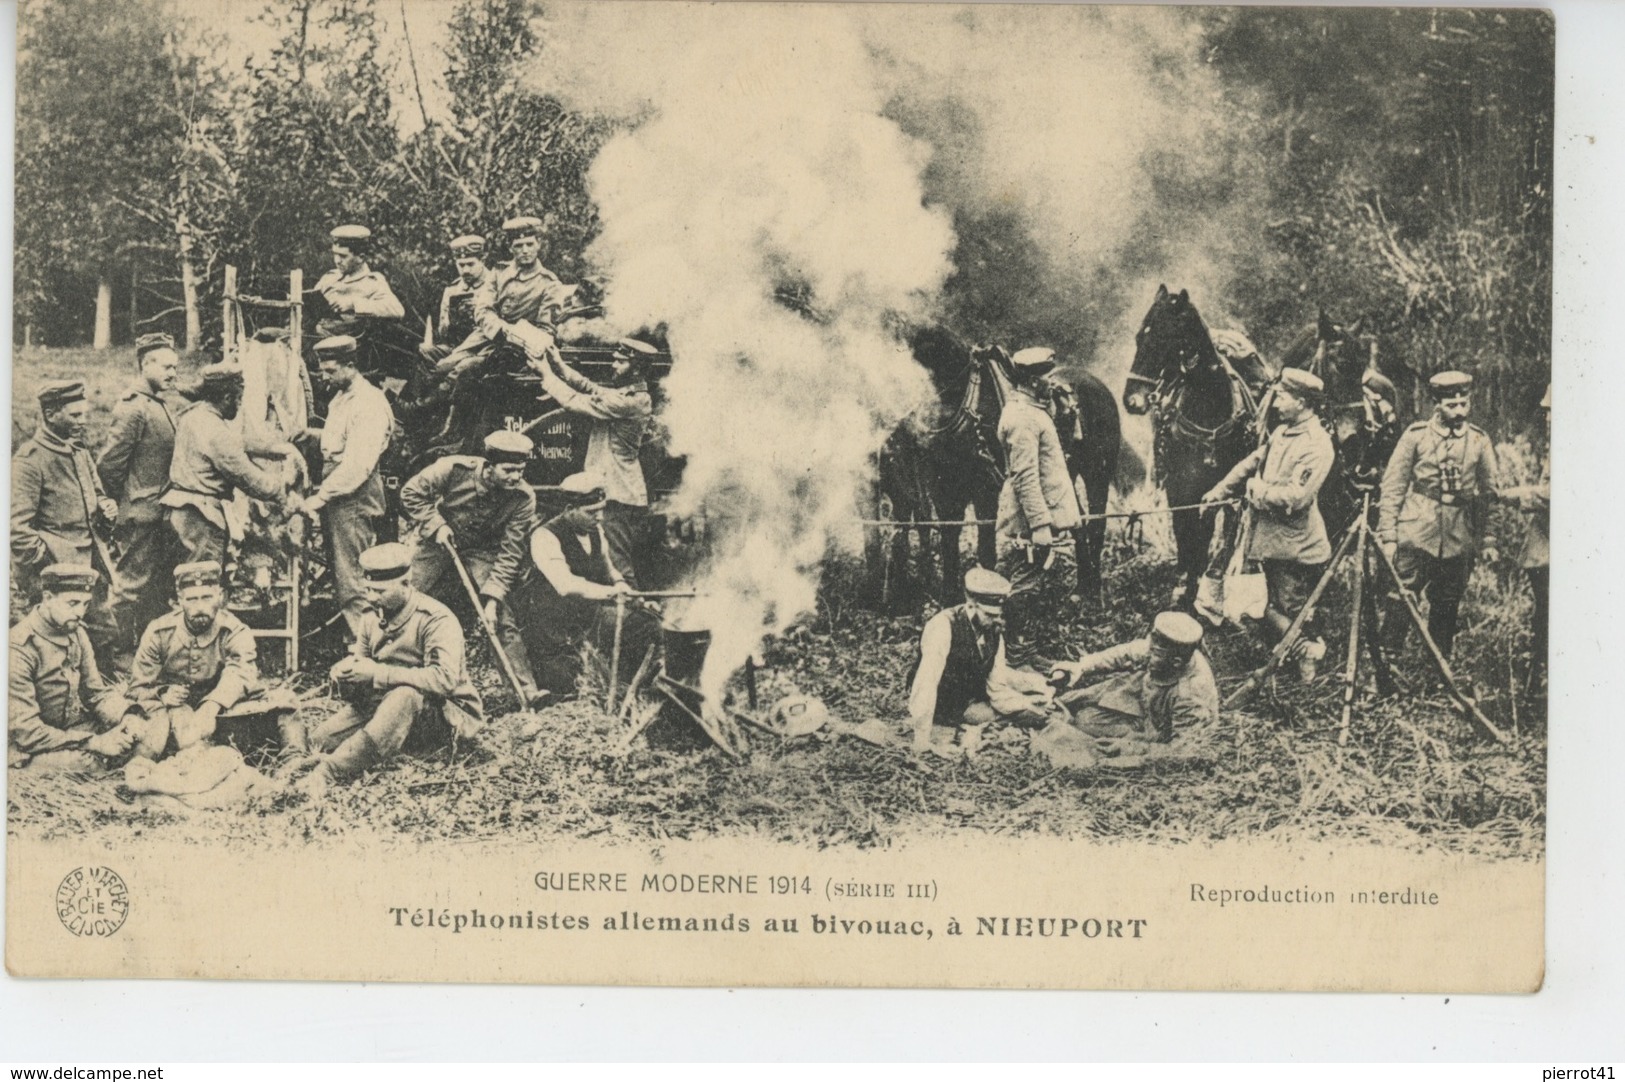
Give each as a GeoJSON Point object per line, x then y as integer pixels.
{"type": "Point", "coordinates": [942, 353]}
{"type": "Point", "coordinates": [1172, 340]}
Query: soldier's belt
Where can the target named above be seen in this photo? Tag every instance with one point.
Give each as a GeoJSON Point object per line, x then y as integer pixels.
{"type": "Point", "coordinates": [1448, 499]}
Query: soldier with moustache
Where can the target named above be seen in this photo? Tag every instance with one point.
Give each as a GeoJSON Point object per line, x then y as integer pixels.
{"type": "Point", "coordinates": [1434, 513]}
{"type": "Point", "coordinates": [60, 513]}
{"type": "Point", "coordinates": [481, 506]}
{"type": "Point", "coordinates": [134, 471]}
{"type": "Point", "coordinates": [354, 292]}
{"type": "Point", "coordinates": [63, 715]}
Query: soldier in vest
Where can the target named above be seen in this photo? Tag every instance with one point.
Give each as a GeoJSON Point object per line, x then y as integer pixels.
{"type": "Point", "coordinates": [59, 511]}
{"type": "Point", "coordinates": [619, 414]}
{"type": "Point", "coordinates": [355, 293]}
{"type": "Point", "coordinates": [482, 507]}
{"type": "Point", "coordinates": [960, 680]}
{"type": "Point", "coordinates": [1038, 507]}
{"type": "Point", "coordinates": [564, 603]}
{"type": "Point", "coordinates": [210, 465]}
{"type": "Point", "coordinates": [63, 715]}
{"type": "Point", "coordinates": [1156, 686]}
{"type": "Point", "coordinates": [406, 677]}
{"type": "Point", "coordinates": [457, 300]}
{"type": "Point", "coordinates": [351, 495]}
{"type": "Point", "coordinates": [1436, 496]}
{"type": "Point", "coordinates": [193, 663]}
{"type": "Point", "coordinates": [134, 470]}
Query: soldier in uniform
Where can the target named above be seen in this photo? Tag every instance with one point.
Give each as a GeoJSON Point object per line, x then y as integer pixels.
{"type": "Point", "coordinates": [1159, 685]}
{"type": "Point", "coordinates": [1436, 495]}
{"type": "Point", "coordinates": [353, 439]}
{"type": "Point", "coordinates": [210, 465]}
{"type": "Point", "coordinates": [563, 603]}
{"type": "Point", "coordinates": [521, 292]}
{"type": "Point", "coordinates": [481, 506]}
{"type": "Point", "coordinates": [1038, 508]}
{"type": "Point", "coordinates": [354, 291]}
{"type": "Point", "coordinates": [1536, 557]}
{"type": "Point", "coordinates": [63, 715]}
{"type": "Point", "coordinates": [960, 679]}
{"type": "Point", "coordinates": [193, 663]}
{"type": "Point", "coordinates": [457, 301]}
{"type": "Point", "coordinates": [406, 675]}
{"type": "Point", "coordinates": [59, 511]}
{"type": "Point", "coordinates": [134, 470]}
{"type": "Point", "coordinates": [1283, 479]}
{"type": "Point", "coordinates": [619, 414]}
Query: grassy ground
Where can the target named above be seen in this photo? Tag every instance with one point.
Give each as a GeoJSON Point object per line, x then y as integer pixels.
{"type": "Point", "coordinates": [1411, 775]}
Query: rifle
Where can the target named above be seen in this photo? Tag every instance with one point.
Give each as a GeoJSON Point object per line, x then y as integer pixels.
{"type": "Point", "coordinates": [485, 622]}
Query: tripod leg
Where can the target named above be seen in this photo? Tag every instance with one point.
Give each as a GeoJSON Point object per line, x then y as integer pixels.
{"type": "Point", "coordinates": [1351, 670]}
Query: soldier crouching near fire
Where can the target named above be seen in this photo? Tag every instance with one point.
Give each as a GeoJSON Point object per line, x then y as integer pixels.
{"type": "Point", "coordinates": [192, 663]}
{"type": "Point", "coordinates": [64, 717]}
{"type": "Point", "coordinates": [960, 679]}
{"type": "Point", "coordinates": [407, 676]}
{"type": "Point", "coordinates": [1159, 685]}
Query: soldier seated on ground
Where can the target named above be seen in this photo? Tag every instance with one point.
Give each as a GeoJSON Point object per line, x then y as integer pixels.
{"type": "Point", "coordinates": [1158, 686]}
{"type": "Point", "coordinates": [563, 604]}
{"type": "Point", "coordinates": [960, 681]}
{"type": "Point", "coordinates": [63, 716]}
{"type": "Point", "coordinates": [192, 664]}
{"type": "Point", "coordinates": [407, 676]}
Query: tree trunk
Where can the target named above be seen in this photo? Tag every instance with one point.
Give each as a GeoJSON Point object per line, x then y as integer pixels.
{"type": "Point", "coordinates": [189, 299]}
{"type": "Point", "coordinates": [104, 314]}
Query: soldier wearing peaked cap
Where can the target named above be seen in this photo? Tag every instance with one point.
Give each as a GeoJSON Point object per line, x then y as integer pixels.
{"type": "Point", "coordinates": [481, 507]}
{"type": "Point", "coordinates": [1535, 501]}
{"type": "Point", "coordinates": [1038, 507]}
{"type": "Point", "coordinates": [355, 293]}
{"type": "Point", "coordinates": [59, 510]}
{"type": "Point", "coordinates": [63, 715]}
{"type": "Point", "coordinates": [1282, 481]}
{"type": "Point", "coordinates": [1434, 513]}
{"type": "Point", "coordinates": [960, 681]}
{"type": "Point", "coordinates": [407, 676]}
{"type": "Point", "coordinates": [619, 413]}
{"type": "Point", "coordinates": [457, 300]}
{"type": "Point", "coordinates": [193, 663]}
{"type": "Point", "coordinates": [134, 470]}
{"type": "Point", "coordinates": [1158, 685]}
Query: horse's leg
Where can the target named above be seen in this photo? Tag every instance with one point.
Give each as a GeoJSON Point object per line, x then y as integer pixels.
{"type": "Point", "coordinates": [986, 507]}
{"type": "Point", "coordinates": [874, 556]}
{"type": "Point", "coordinates": [1191, 538]}
{"type": "Point", "coordinates": [952, 577]}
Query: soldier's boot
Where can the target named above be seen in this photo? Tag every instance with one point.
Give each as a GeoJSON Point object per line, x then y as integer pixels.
{"type": "Point", "coordinates": [349, 760]}
{"type": "Point", "coordinates": [295, 735]}
{"type": "Point", "coordinates": [459, 416]}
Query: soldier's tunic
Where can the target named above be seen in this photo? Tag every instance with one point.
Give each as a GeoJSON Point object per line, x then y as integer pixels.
{"type": "Point", "coordinates": [959, 675]}
{"type": "Point", "coordinates": [1535, 557]}
{"type": "Point", "coordinates": [421, 677]}
{"type": "Point", "coordinates": [354, 299]}
{"type": "Point", "coordinates": [58, 698]}
{"type": "Point", "coordinates": [456, 316]}
{"type": "Point", "coordinates": [534, 296]}
{"type": "Point", "coordinates": [134, 470]}
{"type": "Point", "coordinates": [209, 465]}
{"type": "Point", "coordinates": [1435, 503]}
{"type": "Point", "coordinates": [218, 666]}
{"type": "Point", "coordinates": [1134, 703]}
{"type": "Point", "coordinates": [357, 432]}
{"type": "Point", "coordinates": [620, 418]}
{"type": "Point", "coordinates": [1037, 492]}
{"type": "Point", "coordinates": [490, 527]}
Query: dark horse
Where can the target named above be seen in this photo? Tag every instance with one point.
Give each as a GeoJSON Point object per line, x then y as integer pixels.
{"type": "Point", "coordinates": [1205, 415]}
{"type": "Point", "coordinates": [948, 456]}
{"type": "Point", "coordinates": [1364, 430]}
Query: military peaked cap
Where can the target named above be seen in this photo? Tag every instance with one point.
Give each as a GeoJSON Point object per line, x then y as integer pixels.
{"type": "Point", "coordinates": [1177, 629]}
{"type": "Point", "coordinates": [351, 235]}
{"type": "Point", "coordinates": [523, 226]}
{"type": "Point", "coordinates": [1034, 361]}
{"type": "Point", "coordinates": [201, 573]}
{"type": "Point", "coordinates": [986, 587]}
{"type": "Point", "coordinates": [1301, 383]}
{"type": "Point", "coordinates": [385, 562]}
{"type": "Point", "coordinates": [61, 392]}
{"type": "Point", "coordinates": [505, 446]}
{"type": "Point", "coordinates": [1450, 384]}
{"type": "Point", "coordinates": [468, 245]}
{"type": "Point", "coordinates": [69, 578]}
{"type": "Point", "coordinates": [147, 343]}
{"type": "Point", "coordinates": [339, 347]}
{"type": "Point", "coordinates": [582, 487]}
{"type": "Point", "coordinates": [1380, 384]}
{"type": "Point", "coordinates": [222, 376]}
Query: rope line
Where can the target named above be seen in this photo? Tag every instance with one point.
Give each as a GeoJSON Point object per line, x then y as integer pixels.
{"type": "Point", "coordinates": [1102, 517]}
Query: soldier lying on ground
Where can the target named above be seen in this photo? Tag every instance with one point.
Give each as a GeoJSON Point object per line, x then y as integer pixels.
{"type": "Point", "coordinates": [960, 680]}
{"type": "Point", "coordinates": [407, 677]}
{"type": "Point", "coordinates": [193, 663]}
{"type": "Point", "coordinates": [1160, 685]}
{"type": "Point", "coordinates": [63, 716]}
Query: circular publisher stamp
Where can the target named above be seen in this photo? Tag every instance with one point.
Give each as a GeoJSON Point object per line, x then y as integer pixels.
{"type": "Point", "coordinates": [92, 902]}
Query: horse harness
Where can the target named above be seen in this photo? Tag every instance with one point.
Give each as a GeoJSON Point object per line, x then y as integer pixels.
{"type": "Point", "coordinates": [1173, 427]}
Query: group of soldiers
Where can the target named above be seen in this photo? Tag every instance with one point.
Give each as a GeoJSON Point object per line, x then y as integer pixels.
{"type": "Point", "coordinates": [978, 662]}
{"type": "Point", "coordinates": [123, 645]}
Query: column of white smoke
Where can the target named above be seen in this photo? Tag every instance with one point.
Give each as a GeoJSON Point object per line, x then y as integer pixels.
{"type": "Point", "coordinates": [759, 160]}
